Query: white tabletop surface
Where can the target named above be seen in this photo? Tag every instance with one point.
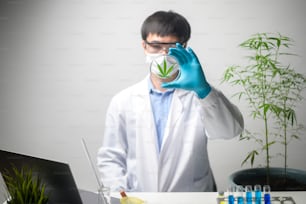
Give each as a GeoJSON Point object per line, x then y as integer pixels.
{"type": "Point", "coordinates": [201, 198]}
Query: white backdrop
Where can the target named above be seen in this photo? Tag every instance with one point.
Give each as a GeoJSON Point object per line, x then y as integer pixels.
{"type": "Point", "coordinates": [62, 60]}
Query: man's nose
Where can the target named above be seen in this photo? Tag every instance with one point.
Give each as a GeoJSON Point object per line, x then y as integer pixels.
{"type": "Point", "coordinates": [164, 50]}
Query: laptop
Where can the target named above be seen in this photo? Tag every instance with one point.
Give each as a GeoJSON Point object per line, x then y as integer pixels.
{"type": "Point", "coordinates": [60, 185]}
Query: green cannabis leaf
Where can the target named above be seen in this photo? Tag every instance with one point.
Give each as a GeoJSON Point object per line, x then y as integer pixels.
{"type": "Point", "coordinates": [164, 71]}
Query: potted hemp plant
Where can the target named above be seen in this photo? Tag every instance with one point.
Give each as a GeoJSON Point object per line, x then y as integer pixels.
{"type": "Point", "coordinates": [24, 188]}
{"type": "Point", "coordinates": [272, 91]}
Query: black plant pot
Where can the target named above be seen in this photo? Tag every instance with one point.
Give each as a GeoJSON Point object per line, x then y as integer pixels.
{"type": "Point", "coordinates": [294, 180]}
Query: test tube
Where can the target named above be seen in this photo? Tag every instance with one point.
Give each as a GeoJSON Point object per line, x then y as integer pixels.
{"type": "Point", "coordinates": [267, 190]}
{"type": "Point", "coordinates": [231, 198]}
{"type": "Point", "coordinates": [257, 189]}
{"type": "Point", "coordinates": [221, 197]}
{"type": "Point", "coordinates": [240, 191]}
{"type": "Point", "coordinates": [248, 194]}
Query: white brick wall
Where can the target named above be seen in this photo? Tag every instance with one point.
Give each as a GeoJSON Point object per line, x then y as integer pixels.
{"type": "Point", "coordinates": [62, 60]}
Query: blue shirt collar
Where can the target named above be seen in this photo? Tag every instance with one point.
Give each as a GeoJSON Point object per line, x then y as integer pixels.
{"type": "Point", "coordinates": [154, 90]}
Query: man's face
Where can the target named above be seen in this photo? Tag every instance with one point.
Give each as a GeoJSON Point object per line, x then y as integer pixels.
{"type": "Point", "coordinates": [158, 44]}
{"type": "Point", "coordinates": [155, 44]}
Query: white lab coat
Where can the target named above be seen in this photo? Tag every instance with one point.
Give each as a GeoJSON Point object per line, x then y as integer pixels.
{"type": "Point", "coordinates": [129, 157]}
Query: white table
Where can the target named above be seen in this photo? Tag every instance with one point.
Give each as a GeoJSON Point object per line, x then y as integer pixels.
{"type": "Point", "coordinates": [199, 198]}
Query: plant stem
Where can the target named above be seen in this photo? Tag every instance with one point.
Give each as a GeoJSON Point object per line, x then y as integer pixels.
{"type": "Point", "coordinates": [264, 90]}
{"type": "Point", "coordinates": [285, 138]}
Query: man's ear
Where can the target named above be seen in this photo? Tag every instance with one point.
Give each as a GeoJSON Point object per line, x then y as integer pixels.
{"type": "Point", "coordinates": [143, 43]}
{"type": "Point", "coordinates": [144, 46]}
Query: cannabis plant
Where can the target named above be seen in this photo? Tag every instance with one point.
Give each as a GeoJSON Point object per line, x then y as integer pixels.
{"type": "Point", "coordinates": [24, 188]}
{"type": "Point", "coordinates": [164, 69]}
{"type": "Point", "coordinates": [272, 90]}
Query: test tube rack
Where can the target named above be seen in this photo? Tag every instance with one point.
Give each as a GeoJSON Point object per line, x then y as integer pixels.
{"type": "Point", "coordinates": [274, 200]}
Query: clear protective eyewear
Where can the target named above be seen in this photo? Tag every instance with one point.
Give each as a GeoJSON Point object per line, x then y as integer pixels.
{"type": "Point", "coordinates": [158, 47]}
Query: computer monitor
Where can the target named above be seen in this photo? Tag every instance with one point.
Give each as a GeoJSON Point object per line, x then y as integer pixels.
{"type": "Point", "coordinates": [60, 185]}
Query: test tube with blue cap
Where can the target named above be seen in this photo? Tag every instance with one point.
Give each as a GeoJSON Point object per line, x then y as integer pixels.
{"type": "Point", "coordinates": [231, 197]}
{"type": "Point", "coordinates": [267, 197]}
{"type": "Point", "coordinates": [257, 189]}
{"type": "Point", "coordinates": [240, 192]}
{"type": "Point", "coordinates": [248, 194]}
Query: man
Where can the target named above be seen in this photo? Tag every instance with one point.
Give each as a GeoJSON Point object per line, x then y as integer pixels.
{"type": "Point", "coordinates": [156, 130]}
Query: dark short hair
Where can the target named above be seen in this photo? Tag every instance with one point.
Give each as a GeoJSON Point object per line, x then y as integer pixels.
{"type": "Point", "coordinates": [165, 23]}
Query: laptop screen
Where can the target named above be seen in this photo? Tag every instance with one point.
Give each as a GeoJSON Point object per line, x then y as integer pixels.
{"type": "Point", "coordinates": [60, 185]}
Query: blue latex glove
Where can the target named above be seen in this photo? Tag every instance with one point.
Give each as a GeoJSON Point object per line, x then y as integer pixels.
{"type": "Point", "coordinates": [192, 76]}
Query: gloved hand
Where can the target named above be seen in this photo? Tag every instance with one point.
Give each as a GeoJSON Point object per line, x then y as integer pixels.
{"type": "Point", "coordinates": [191, 74]}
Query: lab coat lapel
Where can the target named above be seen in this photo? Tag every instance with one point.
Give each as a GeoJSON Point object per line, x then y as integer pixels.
{"type": "Point", "coordinates": [145, 125]}
{"type": "Point", "coordinates": [175, 112]}
{"type": "Point", "coordinates": [146, 140]}
{"type": "Point", "coordinates": [166, 166]}
{"type": "Point", "coordinates": [145, 118]}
